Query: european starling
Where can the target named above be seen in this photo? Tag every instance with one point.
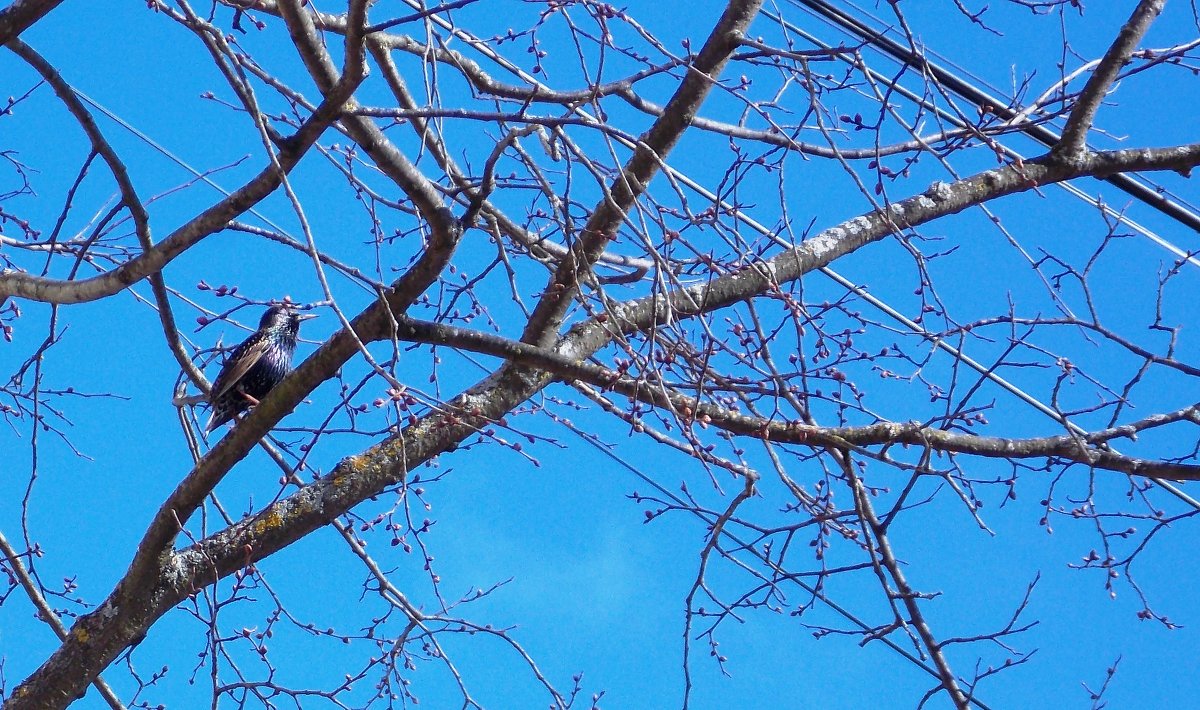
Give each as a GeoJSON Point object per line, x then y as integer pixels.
{"type": "Point", "coordinates": [257, 365]}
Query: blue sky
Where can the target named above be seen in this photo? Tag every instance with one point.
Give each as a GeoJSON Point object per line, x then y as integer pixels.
{"type": "Point", "coordinates": [587, 585]}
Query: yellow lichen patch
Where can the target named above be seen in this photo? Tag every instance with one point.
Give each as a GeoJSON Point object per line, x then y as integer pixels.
{"type": "Point", "coordinates": [80, 634]}
{"type": "Point", "coordinates": [267, 521]}
{"type": "Point", "coordinates": [355, 463]}
{"type": "Point", "coordinates": [348, 467]}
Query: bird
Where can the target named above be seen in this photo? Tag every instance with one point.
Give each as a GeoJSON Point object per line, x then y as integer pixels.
{"type": "Point", "coordinates": [257, 365]}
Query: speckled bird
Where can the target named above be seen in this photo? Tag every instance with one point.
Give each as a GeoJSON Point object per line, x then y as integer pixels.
{"type": "Point", "coordinates": [257, 365]}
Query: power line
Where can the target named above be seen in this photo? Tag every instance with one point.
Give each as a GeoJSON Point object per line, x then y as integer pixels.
{"type": "Point", "coordinates": [963, 71]}
{"type": "Point", "coordinates": [981, 98]}
{"type": "Point", "coordinates": [913, 326]}
{"type": "Point", "coordinates": [945, 115]}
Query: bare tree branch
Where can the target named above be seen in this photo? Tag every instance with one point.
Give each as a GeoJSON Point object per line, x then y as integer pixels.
{"type": "Point", "coordinates": [20, 15]}
{"type": "Point", "coordinates": [1074, 135]}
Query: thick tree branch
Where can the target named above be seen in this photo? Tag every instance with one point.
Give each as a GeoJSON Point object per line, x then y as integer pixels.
{"type": "Point", "coordinates": [48, 290]}
{"type": "Point", "coordinates": [20, 15]}
{"type": "Point", "coordinates": [1073, 143]}
{"type": "Point", "coordinates": [651, 150]}
{"type": "Point", "coordinates": [1087, 449]}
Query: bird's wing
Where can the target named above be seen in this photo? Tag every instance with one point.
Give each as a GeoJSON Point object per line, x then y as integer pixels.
{"type": "Point", "coordinates": [236, 367]}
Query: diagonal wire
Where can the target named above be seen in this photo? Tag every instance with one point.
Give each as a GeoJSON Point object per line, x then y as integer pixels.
{"type": "Point", "coordinates": [981, 98]}
{"type": "Point", "coordinates": [948, 79]}
{"type": "Point", "coordinates": [962, 71]}
{"type": "Point", "coordinates": [1040, 133]}
{"type": "Point", "coordinates": [163, 150]}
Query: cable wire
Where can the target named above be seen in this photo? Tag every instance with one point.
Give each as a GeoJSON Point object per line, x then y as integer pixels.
{"type": "Point", "coordinates": [1021, 394]}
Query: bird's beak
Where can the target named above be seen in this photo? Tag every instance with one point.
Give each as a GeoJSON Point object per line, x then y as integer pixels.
{"type": "Point", "coordinates": [305, 316]}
